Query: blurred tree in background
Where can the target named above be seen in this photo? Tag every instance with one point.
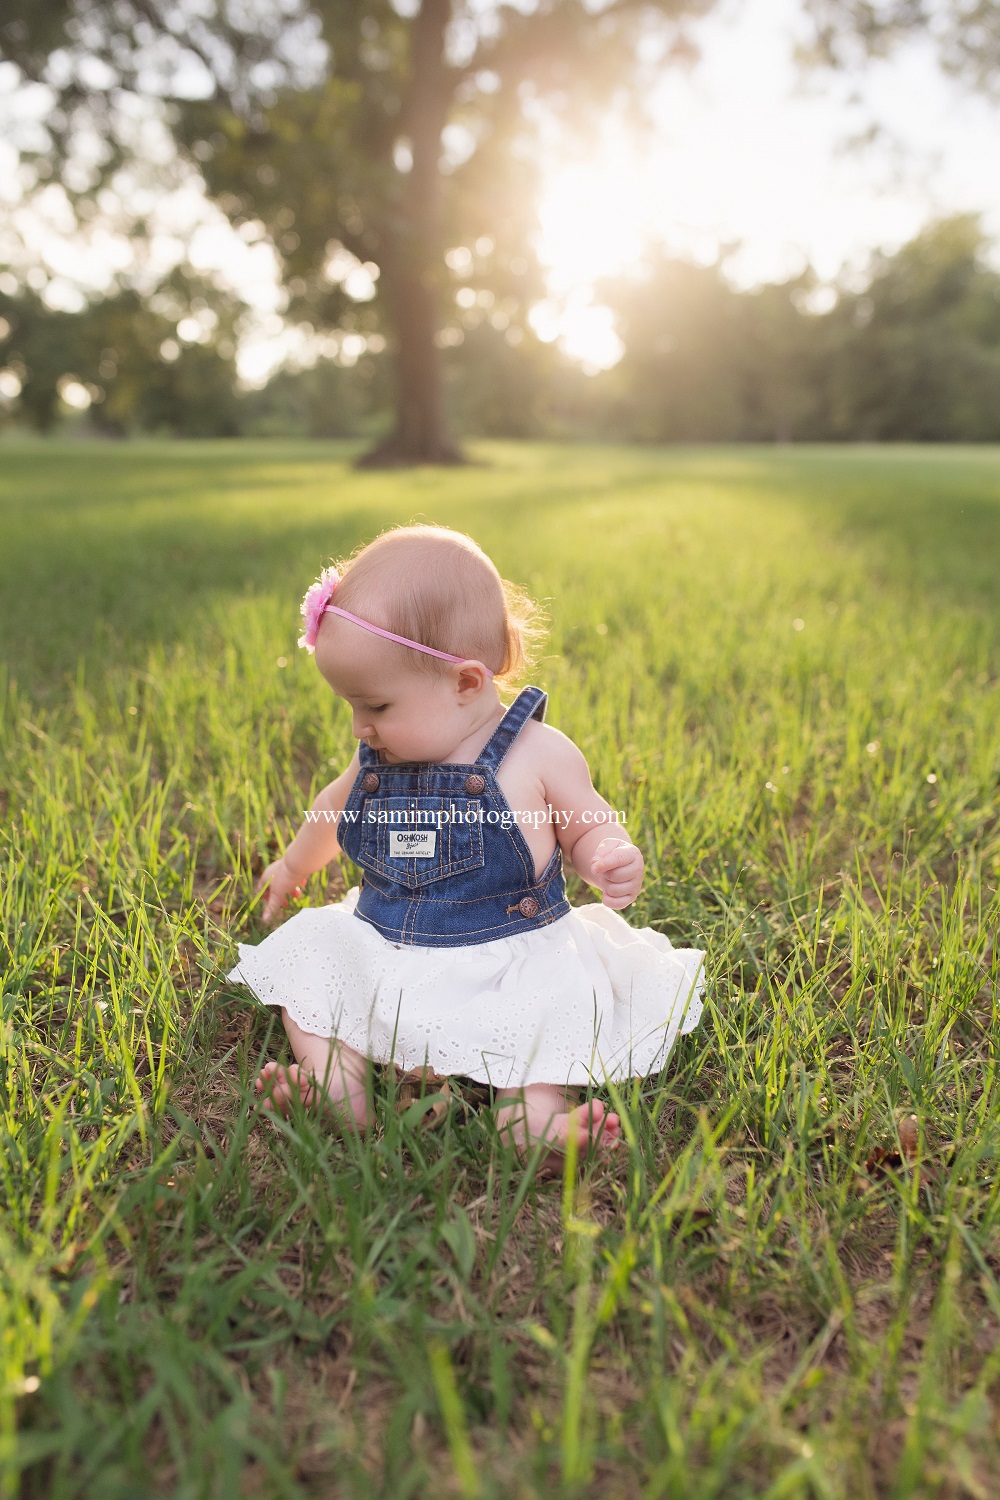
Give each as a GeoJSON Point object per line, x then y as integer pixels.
{"type": "Point", "coordinates": [966, 33]}
{"type": "Point", "coordinates": [362, 134]}
{"type": "Point", "coordinates": [388, 150]}
{"type": "Point", "coordinates": [324, 401]}
{"type": "Point", "coordinates": [704, 362]}
{"type": "Point", "coordinates": [912, 355]}
{"type": "Point", "coordinates": [121, 360]}
{"type": "Point", "coordinates": [917, 353]}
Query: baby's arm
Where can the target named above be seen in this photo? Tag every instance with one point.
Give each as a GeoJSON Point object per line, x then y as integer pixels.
{"type": "Point", "coordinates": [313, 846]}
{"type": "Point", "coordinates": [600, 852]}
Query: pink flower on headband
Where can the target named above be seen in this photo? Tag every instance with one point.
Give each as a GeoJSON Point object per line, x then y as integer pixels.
{"type": "Point", "coordinates": [314, 604]}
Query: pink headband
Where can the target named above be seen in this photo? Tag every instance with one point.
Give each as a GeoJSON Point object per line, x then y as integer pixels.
{"type": "Point", "coordinates": [316, 604]}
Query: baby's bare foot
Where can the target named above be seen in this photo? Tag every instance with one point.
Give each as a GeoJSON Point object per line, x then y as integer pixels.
{"type": "Point", "coordinates": [347, 1104]}
{"type": "Point", "coordinates": [535, 1119]}
{"type": "Point", "coordinates": [279, 1085]}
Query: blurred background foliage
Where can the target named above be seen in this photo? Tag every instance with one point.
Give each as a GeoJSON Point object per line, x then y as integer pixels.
{"type": "Point", "coordinates": [910, 353]}
{"type": "Point", "coordinates": [387, 155]}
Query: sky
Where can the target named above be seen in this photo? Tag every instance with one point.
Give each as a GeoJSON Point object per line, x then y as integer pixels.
{"type": "Point", "coordinates": [747, 152]}
{"type": "Point", "coordinates": [751, 150]}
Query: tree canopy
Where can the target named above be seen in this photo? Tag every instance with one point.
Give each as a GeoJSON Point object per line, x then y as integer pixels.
{"type": "Point", "coordinates": [356, 128]}
{"type": "Point", "coordinates": [913, 353]}
{"type": "Point", "coordinates": [389, 149]}
{"type": "Point", "coordinates": [966, 33]}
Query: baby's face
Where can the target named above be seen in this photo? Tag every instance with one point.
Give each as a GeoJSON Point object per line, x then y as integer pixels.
{"type": "Point", "coordinates": [409, 716]}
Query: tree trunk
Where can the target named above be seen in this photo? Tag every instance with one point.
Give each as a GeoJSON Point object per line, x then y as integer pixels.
{"type": "Point", "coordinates": [412, 261]}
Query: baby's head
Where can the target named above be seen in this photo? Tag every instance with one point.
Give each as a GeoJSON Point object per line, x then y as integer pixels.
{"type": "Point", "coordinates": [436, 587]}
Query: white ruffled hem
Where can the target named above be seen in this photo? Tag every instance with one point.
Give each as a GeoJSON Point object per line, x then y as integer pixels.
{"type": "Point", "coordinates": [584, 1000]}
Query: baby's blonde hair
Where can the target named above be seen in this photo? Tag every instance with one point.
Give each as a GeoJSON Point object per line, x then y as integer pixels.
{"type": "Point", "coordinates": [438, 587]}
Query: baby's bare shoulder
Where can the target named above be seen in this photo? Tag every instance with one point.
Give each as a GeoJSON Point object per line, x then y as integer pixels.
{"type": "Point", "coordinates": [550, 749]}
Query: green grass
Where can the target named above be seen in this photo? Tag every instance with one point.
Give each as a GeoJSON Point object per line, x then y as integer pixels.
{"type": "Point", "coordinates": [763, 1296]}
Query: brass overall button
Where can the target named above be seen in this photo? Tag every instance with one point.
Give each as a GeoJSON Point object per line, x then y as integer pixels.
{"type": "Point", "coordinates": [528, 906]}
{"type": "Point", "coordinates": [475, 784]}
{"type": "Point", "coordinates": [369, 782]}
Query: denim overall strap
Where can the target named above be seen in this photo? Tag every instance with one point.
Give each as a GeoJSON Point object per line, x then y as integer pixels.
{"type": "Point", "coordinates": [444, 862]}
{"type": "Point", "coordinates": [529, 704]}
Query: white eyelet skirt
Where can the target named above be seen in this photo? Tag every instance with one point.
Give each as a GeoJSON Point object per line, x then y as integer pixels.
{"type": "Point", "coordinates": [586, 999]}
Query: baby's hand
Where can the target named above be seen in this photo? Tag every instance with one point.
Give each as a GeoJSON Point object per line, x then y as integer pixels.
{"type": "Point", "coordinates": [618, 868]}
{"type": "Point", "coordinates": [281, 884]}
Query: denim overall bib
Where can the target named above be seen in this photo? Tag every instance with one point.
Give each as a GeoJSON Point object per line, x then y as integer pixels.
{"type": "Point", "coordinates": [445, 864]}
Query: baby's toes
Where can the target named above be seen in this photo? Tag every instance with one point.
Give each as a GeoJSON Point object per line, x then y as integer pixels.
{"type": "Point", "coordinates": [273, 1083]}
{"type": "Point", "coordinates": [604, 1126]}
{"type": "Point", "coordinates": [591, 1115]}
{"type": "Point", "coordinates": [292, 1078]}
{"type": "Point", "coordinates": [611, 1133]}
{"type": "Point", "coordinates": [275, 1100]}
{"type": "Point", "coordinates": [299, 1082]}
{"type": "Point", "coordinates": [266, 1073]}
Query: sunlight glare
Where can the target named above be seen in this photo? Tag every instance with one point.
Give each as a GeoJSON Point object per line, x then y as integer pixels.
{"type": "Point", "coordinates": [593, 219]}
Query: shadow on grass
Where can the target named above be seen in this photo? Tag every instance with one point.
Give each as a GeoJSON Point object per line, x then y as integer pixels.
{"type": "Point", "coordinates": [110, 548]}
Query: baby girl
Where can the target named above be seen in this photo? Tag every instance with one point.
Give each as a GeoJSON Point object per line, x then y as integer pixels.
{"type": "Point", "coordinates": [458, 949]}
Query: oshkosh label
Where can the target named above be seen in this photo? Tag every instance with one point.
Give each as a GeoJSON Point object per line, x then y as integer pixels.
{"type": "Point", "coordinates": [412, 843]}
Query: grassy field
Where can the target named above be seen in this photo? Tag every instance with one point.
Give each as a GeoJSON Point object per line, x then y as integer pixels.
{"type": "Point", "coordinates": [784, 664]}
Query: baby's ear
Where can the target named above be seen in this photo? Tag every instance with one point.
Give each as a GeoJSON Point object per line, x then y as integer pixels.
{"type": "Point", "coordinates": [471, 679]}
